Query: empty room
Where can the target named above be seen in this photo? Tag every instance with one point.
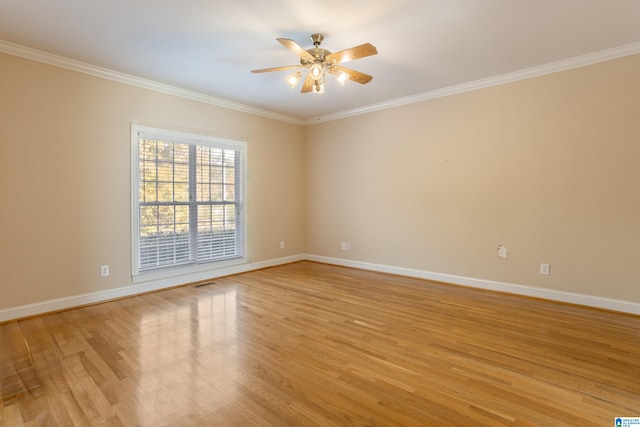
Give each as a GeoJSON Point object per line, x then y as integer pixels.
{"type": "Point", "coordinates": [274, 213]}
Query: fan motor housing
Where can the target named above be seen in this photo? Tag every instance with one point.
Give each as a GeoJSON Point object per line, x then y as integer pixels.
{"type": "Point", "coordinates": [318, 53]}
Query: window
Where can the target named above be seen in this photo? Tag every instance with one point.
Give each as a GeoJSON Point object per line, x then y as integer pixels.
{"type": "Point", "coordinates": [187, 199]}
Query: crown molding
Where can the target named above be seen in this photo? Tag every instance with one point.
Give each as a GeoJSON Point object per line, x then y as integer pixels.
{"type": "Point", "coordinates": [527, 73]}
{"type": "Point", "coordinates": [94, 70]}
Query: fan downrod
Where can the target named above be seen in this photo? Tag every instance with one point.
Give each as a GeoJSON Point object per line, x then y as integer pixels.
{"type": "Point", "coordinates": [317, 39]}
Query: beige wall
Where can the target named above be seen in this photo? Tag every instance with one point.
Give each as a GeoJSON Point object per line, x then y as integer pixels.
{"type": "Point", "coordinates": [549, 167]}
{"type": "Point", "coordinates": [546, 166]}
{"type": "Point", "coordinates": [65, 177]}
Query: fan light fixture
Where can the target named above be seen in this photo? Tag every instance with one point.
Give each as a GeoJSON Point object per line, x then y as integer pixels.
{"type": "Point", "coordinates": [316, 71]}
{"type": "Point", "coordinates": [342, 77]}
{"type": "Point", "coordinates": [294, 78]}
{"type": "Point", "coordinates": [318, 85]}
{"type": "Point", "coordinates": [317, 62]}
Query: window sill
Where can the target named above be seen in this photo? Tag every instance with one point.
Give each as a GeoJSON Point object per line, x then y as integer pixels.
{"type": "Point", "coordinates": [191, 273]}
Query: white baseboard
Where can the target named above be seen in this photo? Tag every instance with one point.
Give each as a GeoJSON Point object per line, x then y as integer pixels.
{"type": "Point", "coordinates": [53, 305]}
{"type": "Point", "coordinates": [548, 294]}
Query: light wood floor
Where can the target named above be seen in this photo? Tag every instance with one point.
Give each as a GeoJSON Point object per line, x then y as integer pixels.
{"type": "Point", "coordinates": [318, 345]}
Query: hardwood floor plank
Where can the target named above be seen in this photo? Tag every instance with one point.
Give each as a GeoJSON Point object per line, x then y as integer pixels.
{"type": "Point", "coordinates": [309, 344]}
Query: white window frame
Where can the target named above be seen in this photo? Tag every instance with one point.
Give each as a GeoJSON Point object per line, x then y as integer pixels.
{"type": "Point", "coordinates": [192, 139]}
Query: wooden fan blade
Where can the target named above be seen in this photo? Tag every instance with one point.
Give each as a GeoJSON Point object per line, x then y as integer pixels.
{"type": "Point", "coordinates": [297, 49]}
{"type": "Point", "coordinates": [353, 53]}
{"type": "Point", "coordinates": [268, 70]}
{"type": "Point", "coordinates": [354, 75]}
{"type": "Point", "coordinates": [307, 86]}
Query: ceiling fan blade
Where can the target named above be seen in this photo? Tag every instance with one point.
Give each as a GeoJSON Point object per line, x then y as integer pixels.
{"type": "Point", "coordinates": [353, 53]}
{"type": "Point", "coordinates": [297, 49]}
{"type": "Point", "coordinates": [268, 70]}
{"type": "Point", "coordinates": [354, 75]}
{"type": "Point", "coordinates": [307, 86]}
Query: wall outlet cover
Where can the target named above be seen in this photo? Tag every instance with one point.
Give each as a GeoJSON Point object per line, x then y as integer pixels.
{"type": "Point", "coordinates": [502, 251]}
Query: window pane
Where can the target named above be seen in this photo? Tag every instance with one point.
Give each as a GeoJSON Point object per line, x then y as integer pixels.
{"type": "Point", "coordinates": [229, 158]}
{"type": "Point", "coordinates": [230, 175]}
{"type": "Point", "coordinates": [165, 192]}
{"type": "Point", "coordinates": [230, 192]}
{"type": "Point", "coordinates": [148, 170]}
{"type": "Point", "coordinates": [181, 153]}
{"type": "Point", "coordinates": [181, 173]}
{"type": "Point", "coordinates": [182, 219]}
{"type": "Point", "coordinates": [165, 171]}
{"type": "Point", "coordinates": [148, 149]}
{"type": "Point", "coordinates": [216, 232]}
{"type": "Point", "coordinates": [216, 192]}
{"type": "Point", "coordinates": [148, 192]}
{"type": "Point", "coordinates": [181, 191]}
{"type": "Point", "coordinates": [164, 151]}
{"type": "Point", "coordinates": [148, 216]}
{"type": "Point", "coordinates": [147, 231]}
{"type": "Point", "coordinates": [216, 173]}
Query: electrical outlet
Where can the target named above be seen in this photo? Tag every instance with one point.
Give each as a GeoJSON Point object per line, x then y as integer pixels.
{"type": "Point", "coordinates": [544, 269]}
{"type": "Point", "coordinates": [281, 244]}
{"type": "Point", "coordinates": [343, 246]}
{"type": "Point", "coordinates": [503, 251]}
{"type": "Point", "coordinates": [104, 270]}
{"type": "Point", "coordinates": [348, 246]}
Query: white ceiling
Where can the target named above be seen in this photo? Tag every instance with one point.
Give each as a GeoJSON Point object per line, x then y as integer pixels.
{"type": "Point", "coordinates": [424, 46]}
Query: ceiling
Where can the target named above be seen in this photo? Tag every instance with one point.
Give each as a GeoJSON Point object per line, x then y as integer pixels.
{"type": "Point", "coordinates": [424, 46]}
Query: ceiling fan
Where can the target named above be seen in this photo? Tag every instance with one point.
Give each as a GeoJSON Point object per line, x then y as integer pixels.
{"type": "Point", "coordinates": [317, 62]}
